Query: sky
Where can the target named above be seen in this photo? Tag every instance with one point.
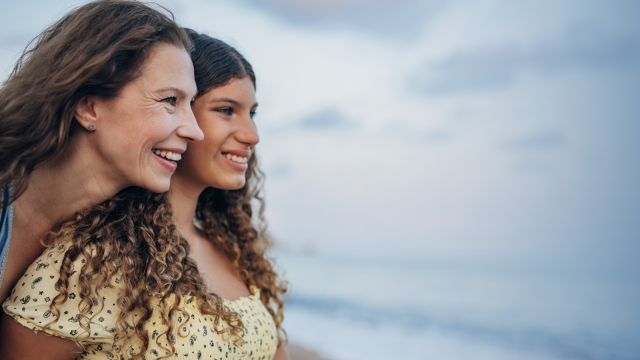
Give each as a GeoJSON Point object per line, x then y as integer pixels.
{"type": "Point", "coordinates": [444, 128]}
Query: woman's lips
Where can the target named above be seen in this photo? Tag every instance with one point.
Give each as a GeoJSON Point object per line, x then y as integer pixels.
{"type": "Point", "coordinates": [168, 157]}
{"type": "Point", "coordinates": [167, 154]}
{"type": "Point", "coordinates": [168, 164]}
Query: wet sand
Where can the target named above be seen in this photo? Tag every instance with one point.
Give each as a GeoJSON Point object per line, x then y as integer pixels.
{"type": "Point", "coordinates": [299, 353]}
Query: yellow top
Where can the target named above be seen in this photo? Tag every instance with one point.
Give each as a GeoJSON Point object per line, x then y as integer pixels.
{"type": "Point", "coordinates": [31, 297]}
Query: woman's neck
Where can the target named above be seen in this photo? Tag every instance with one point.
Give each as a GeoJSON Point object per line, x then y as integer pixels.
{"type": "Point", "coordinates": [70, 183]}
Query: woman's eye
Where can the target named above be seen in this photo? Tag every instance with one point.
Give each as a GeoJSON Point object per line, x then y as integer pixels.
{"type": "Point", "coordinates": [192, 102]}
{"type": "Point", "coordinates": [252, 114]}
{"type": "Point", "coordinates": [171, 100]}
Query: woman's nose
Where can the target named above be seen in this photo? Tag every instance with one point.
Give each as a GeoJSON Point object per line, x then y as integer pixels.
{"type": "Point", "coordinates": [189, 128]}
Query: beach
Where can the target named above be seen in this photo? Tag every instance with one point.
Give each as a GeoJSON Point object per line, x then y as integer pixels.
{"type": "Point", "coordinates": [347, 307]}
{"type": "Point", "coordinates": [297, 352]}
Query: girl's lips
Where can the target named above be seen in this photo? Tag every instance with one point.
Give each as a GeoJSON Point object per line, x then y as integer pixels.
{"type": "Point", "coordinates": [169, 165]}
{"type": "Point", "coordinates": [241, 153]}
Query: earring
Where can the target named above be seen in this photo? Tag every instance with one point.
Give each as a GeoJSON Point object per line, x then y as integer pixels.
{"type": "Point", "coordinates": [92, 127]}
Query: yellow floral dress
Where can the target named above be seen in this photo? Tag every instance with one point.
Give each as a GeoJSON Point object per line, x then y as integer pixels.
{"type": "Point", "coordinates": [31, 297]}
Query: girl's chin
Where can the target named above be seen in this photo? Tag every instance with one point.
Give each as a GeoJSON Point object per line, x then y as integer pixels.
{"type": "Point", "coordinates": [229, 183]}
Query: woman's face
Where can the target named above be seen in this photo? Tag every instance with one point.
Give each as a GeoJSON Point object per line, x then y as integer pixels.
{"type": "Point", "coordinates": [225, 115]}
{"type": "Point", "coordinates": [141, 133]}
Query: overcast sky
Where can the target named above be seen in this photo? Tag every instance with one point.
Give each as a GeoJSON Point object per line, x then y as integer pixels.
{"type": "Point", "coordinates": [462, 128]}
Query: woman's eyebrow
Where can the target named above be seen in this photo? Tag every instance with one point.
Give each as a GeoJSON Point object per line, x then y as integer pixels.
{"type": "Point", "coordinates": [174, 89]}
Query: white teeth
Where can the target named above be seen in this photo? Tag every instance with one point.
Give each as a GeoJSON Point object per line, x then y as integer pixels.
{"type": "Point", "coordinates": [168, 155]}
{"type": "Point", "coordinates": [238, 159]}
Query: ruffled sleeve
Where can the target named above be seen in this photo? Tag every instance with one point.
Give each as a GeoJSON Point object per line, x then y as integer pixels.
{"type": "Point", "coordinates": [30, 300]}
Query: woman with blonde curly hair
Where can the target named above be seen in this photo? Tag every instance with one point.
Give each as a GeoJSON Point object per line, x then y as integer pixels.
{"type": "Point", "coordinates": [81, 116]}
{"type": "Point", "coordinates": [124, 282]}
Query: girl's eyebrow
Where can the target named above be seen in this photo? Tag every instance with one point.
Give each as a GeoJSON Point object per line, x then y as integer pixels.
{"type": "Point", "coordinates": [225, 100]}
{"type": "Point", "coordinates": [231, 101]}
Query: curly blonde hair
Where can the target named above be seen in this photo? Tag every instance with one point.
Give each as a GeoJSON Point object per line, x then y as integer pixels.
{"type": "Point", "coordinates": [133, 233]}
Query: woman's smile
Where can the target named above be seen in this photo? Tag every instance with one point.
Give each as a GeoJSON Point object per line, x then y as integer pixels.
{"type": "Point", "coordinates": [168, 157]}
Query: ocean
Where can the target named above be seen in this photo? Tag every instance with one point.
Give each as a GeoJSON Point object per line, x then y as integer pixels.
{"type": "Point", "coordinates": [385, 307]}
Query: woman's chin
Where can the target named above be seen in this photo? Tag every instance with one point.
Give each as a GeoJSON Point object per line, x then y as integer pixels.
{"type": "Point", "coordinates": [158, 185]}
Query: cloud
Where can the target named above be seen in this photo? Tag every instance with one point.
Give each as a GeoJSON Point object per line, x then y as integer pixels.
{"type": "Point", "coordinates": [11, 40]}
{"type": "Point", "coordinates": [400, 18]}
{"type": "Point", "coordinates": [434, 137]}
{"type": "Point", "coordinates": [536, 140]}
{"type": "Point", "coordinates": [325, 119]}
{"type": "Point", "coordinates": [409, 133]}
{"type": "Point", "coordinates": [498, 66]}
{"type": "Point", "coordinates": [279, 169]}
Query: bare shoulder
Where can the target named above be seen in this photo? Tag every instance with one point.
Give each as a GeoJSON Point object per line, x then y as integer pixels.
{"type": "Point", "coordinates": [17, 342]}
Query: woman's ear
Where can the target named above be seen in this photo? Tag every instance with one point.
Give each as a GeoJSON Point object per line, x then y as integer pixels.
{"type": "Point", "coordinates": [86, 113]}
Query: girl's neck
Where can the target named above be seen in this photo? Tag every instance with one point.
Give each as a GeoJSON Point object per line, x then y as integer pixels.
{"type": "Point", "coordinates": [183, 197]}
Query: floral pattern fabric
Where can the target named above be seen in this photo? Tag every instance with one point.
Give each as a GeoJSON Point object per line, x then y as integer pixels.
{"type": "Point", "coordinates": [30, 299]}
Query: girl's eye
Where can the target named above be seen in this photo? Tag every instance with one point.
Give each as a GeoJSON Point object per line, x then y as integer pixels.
{"type": "Point", "coordinates": [226, 111]}
{"type": "Point", "coordinates": [192, 102]}
{"type": "Point", "coordinates": [252, 114]}
{"type": "Point", "coordinates": [171, 100]}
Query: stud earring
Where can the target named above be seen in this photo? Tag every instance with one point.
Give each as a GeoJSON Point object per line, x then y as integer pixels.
{"type": "Point", "coordinates": [92, 127]}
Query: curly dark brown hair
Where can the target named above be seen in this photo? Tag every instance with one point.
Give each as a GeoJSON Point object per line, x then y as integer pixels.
{"type": "Point", "coordinates": [227, 216]}
{"type": "Point", "coordinates": [228, 220]}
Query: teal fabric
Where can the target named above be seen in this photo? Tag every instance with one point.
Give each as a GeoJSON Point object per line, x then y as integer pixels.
{"type": "Point", "coordinates": [6, 215]}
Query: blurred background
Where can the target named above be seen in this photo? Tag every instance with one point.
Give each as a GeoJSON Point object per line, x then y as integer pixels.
{"type": "Point", "coordinates": [446, 179]}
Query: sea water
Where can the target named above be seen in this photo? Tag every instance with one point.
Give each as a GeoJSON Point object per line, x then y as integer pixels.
{"type": "Point", "coordinates": [411, 307]}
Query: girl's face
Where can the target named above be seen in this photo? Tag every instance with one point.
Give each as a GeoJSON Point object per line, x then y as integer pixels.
{"type": "Point", "coordinates": [225, 115]}
{"type": "Point", "coordinates": [141, 133]}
